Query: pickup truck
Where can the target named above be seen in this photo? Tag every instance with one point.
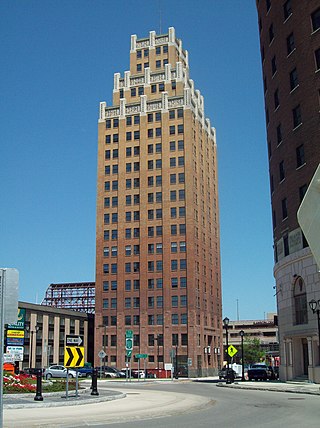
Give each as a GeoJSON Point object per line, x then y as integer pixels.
{"type": "Point", "coordinates": [259, 372]}
{"type": "Point", "coordinates": [85, 371]}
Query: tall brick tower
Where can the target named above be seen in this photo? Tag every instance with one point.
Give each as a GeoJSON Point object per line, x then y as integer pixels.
{"type": "Point", "coordinates": [290, 55]}
{"type": "Point", "coordinates": [157, 242]}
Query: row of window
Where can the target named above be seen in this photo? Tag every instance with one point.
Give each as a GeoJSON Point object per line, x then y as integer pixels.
{"type": "Point", "coordinates": [284, 205]}
{"type": "Point", "coordinates": [153, 340]}
{"type": "Point", "coordinates": [135, 249]}
{"type": "Point", "coordinates": [135, 151]}
{"type": "Point", "coordinates": [152, 117]}
{"type": "Point", "coordinates": [145, 52]}
{"type": "Point", "coordinates": [174, 212]}
{"type": "Point", "coordinates": [159, 64]}
{"type": "Point", "coordinates": [160, 87]}
{"type": "Point", "coordinates": [153, 266]}
{"type": "Point", "coordinates": [287, 12]}
{"type": "Point", "coordinates": [153, 302]}
{"type": "Point", "coordinates": [152, 231]}
{"type": "Point", "coordinates": [156, 319]}
{"type": "Point", "coordinates": [153, 283]}
{"type": "Point", "coordinates": [135, 135]}
{"type": "Point", "coordinates": [300, 160]}
{"type": "Point", "coordinates": [152, 198]}
{"type": "Point", "coordinates": [296, 119]}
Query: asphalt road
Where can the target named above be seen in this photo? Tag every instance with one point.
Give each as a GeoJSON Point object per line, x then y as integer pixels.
{"type": "Point", "coordinates": [181, 405]}
{"type": "Point", "coordinates": [236, 409]}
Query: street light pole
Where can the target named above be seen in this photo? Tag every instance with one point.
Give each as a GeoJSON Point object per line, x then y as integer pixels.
{"type": "Point", "coordinates": [315, 307]}
{"type": "Point", "coordinates": [242, 354]}
{"type": "Point", "coordinates": [32, 332]}
{"type": "Point", "coordinates": [226, 325]}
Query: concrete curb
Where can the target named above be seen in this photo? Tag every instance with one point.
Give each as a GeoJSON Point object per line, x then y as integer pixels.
{"type": "Point", "coordinates": [73, 401]}
{"type": "Point", "coordinates": [269, 388]}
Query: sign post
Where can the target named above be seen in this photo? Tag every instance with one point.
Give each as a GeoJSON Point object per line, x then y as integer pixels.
{"type": "Point", "coordinates": [73, 357]}
{"type": "Point", "coordinates": [9, 287]}
{"type": "Point", "coordinates": [101, 355]}
{"type": "Point", "coordinates": [129, 346]}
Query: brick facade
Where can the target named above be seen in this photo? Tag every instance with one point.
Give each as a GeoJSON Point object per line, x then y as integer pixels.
{"type": "Point", "coordinates": [158, 249]}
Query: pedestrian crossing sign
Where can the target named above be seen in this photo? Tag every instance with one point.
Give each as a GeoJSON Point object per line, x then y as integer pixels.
{"type": "Point", "coordinates": [232, 351]}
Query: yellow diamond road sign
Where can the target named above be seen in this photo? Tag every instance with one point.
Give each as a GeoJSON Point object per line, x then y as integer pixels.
{"type": "Point", "coordinates": [74, 356]}
{"type": "Point", "coordinates": [232, 350]}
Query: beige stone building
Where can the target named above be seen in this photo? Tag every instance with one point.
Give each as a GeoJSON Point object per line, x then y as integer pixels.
{"type": "Point", "coordinates": [158, 250]}
{"type": "Point", "coordinates": [45, 329]}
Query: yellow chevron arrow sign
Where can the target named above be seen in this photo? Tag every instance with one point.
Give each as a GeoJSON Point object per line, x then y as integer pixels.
{"type": "Point", "coordinates": [74, 356]}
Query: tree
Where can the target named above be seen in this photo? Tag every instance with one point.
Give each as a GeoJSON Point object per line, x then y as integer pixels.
{"type": "Point", "coordinates": [252, 351]}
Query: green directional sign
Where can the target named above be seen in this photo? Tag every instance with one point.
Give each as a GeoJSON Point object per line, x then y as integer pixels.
{"type": "Point", "coordinates": [141, 355]}
{"type": "Point", "coordinates": [129, 353]}
{"type": "Point", "coordinates": [129, 344]}
{"type": "Point", "coordinates": [129, 334]}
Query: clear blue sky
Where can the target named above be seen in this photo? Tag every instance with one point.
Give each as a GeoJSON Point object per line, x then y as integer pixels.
{"type": "Point", "coordinates": [58, 59]}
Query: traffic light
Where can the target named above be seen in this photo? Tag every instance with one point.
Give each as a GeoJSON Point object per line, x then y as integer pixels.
{"type": "Point", "coordinates": [129, 344]}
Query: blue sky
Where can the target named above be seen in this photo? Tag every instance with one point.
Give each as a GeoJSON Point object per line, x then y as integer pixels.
{"type": "Point", "coordinates": [58, 60]}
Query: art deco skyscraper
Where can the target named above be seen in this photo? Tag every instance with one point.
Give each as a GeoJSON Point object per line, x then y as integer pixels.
{"type": "Point", "coordinates": [158, 251]}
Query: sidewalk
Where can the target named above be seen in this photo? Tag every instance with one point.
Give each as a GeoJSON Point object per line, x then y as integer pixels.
{"type": "Point", "coordinates": [275, 386]}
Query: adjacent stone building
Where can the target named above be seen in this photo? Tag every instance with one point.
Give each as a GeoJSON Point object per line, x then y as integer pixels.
{"type": "Point", "coordinates": [157, 242]}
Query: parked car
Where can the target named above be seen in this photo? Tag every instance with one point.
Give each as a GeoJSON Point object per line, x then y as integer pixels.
{"type": "Point", "coordinates": [138, 373]}
{"type": "Point", "coordinates": [224, 371]}
{"type": "Point", "coordinates": [59, 372]}
{"type": "Point", "coordinates": [108, 372]}
{"type": "Point", "coordinates": [259, 372]}
{"type": "Point", "coordinates": [85, 371]}
{"type": "Point", "coordinates": [121, 373]}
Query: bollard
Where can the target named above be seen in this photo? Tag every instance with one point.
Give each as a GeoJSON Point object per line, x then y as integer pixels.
{"type": "Point", "coordinates": [38, 396]}
{"type": "Point", "coordinates": [94, 384]}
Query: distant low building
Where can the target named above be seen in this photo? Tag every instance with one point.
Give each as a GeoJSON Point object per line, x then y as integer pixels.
{"type": "Point", "coordinates": [42, 331]}
{"type": "Point", "coordinates": [265, 330]}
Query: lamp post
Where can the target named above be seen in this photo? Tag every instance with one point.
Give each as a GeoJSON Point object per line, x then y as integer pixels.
{"type": "Point", "coordinates": [241, 332]}
{"type": "Point", "coordinates": [226, 326]}
{"type": "Point", "coordinates": [157, 338]}
{"type": "Point", "coordinates": [315, 307]}
{"type": "Point", "coordinates": [32, 332]}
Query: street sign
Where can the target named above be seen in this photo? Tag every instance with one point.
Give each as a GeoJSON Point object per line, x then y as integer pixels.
{"type": "Point", "coordinates": [232, 351]}
{"type": "Point", "coordinates": [129, 334]}
{"type": "Point", "coordinates": [129, 353]}
{"type": "Point", "coordinates": [15, 333]}
{"type": "Point", "coordinates": [9, 291]}
{"type": "Point", "coordinates": [129, 344]}
{"type": "Point", "coordinates": [74, 340]}
{"type": "Point", "coordinates": [309, 216]}
{"type": "Point", "coordinates": [141, 355]}
{"type": "Point", "coordinates": [74, 356]}
{"type": "Point", "coordinates": [19, 324]}
{"type": "Point", "coordinates": [8, 358]}
{"type": "Point", "coordinates": [16, 352]}
{"type": "Point", "coordinates": [15, 341]}
{"type": "Point", "coordinates": [101, 354]}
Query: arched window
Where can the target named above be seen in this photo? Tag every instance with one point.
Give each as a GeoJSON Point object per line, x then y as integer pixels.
{"type": "Point", "coordinates": [300, 301]}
